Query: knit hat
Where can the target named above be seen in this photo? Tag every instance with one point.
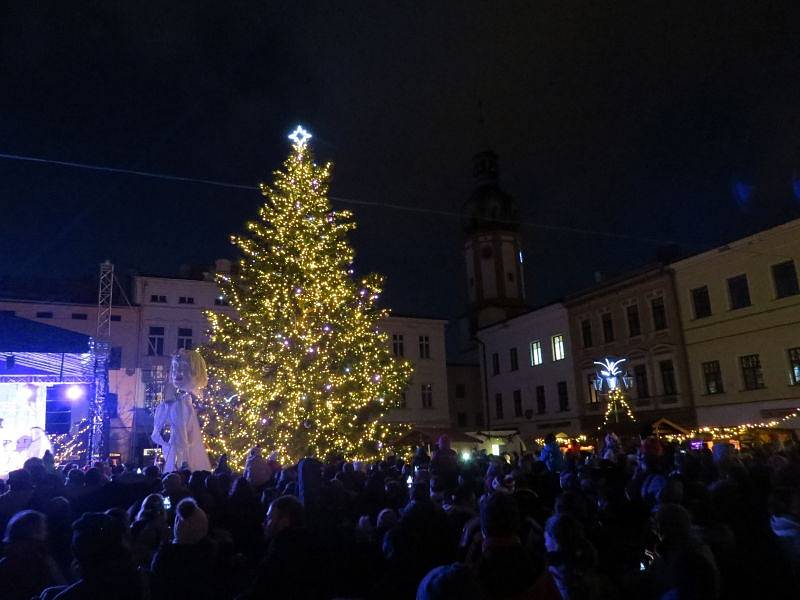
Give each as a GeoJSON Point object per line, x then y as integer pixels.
{"type": "Point", "coordinates": [256, 470]}
{"type": "Point", "coordinates": [449, 581]}
{"type": "Point", "coordinates": [191, 523]}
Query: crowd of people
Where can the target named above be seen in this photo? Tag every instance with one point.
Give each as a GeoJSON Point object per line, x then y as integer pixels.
{"type": "Point", "coordinates": [649, 520]}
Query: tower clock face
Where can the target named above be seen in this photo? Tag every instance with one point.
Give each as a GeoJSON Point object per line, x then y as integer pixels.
{"type": "Point", "coordinates": [486, 252]}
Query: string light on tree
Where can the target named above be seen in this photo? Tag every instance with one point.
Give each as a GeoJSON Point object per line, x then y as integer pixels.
{"type": "Point", "coordinates": [311, 373]}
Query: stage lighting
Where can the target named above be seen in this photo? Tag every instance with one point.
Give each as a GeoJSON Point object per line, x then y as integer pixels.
{"type": "Point", "coordinates": [25, 393]}
{"type": "Point", "coordinates": [75, 392]}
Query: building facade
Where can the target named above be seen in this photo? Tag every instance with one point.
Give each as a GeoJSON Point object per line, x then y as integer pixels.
{"type": "Point", "coordinates": [740, 309]}
{"type": "Point", "coordinates": [465, 397]}
{"type": "Point", "coordinates": [635, 318]}
{"type": "Point", "coordinates": [529, 373]}
{"type": "Point", "coordinates": [167, 314]}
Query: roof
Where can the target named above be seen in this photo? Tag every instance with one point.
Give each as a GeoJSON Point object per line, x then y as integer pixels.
{"type": "Point", "coordinates": [23, 335]}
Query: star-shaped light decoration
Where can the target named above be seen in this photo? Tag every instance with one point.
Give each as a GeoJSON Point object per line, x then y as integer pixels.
{"type": "Point", "coordinates": [299, 138]}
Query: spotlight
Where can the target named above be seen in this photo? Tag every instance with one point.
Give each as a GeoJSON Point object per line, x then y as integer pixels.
{"type": "Point", "coordinates": [75, 392]}
{"type": "Point", "coordinates": [25, 393]}
{"type": "Point", "coordinates": [465, 456]}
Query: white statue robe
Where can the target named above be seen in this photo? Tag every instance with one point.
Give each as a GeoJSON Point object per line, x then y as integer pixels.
{"type": "Point", "coordinates": [185, 439]}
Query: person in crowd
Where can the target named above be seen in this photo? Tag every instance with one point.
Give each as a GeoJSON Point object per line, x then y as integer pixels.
{"type": "Point", "coordinates": [150, 530]}
{"type": "Point", "coordinates": [551, 454]}
{"type": "Point", "coordinates": [27, 567]}
{"type": "Point", "coordinates": [190, 558]}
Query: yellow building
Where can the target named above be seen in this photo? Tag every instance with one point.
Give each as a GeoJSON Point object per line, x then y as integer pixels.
{"type": "Point", "coordinates": [740, 313]}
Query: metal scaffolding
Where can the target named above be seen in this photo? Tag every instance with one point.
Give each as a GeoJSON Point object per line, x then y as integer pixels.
{"type": "Point", "coordinates": [100, 353]}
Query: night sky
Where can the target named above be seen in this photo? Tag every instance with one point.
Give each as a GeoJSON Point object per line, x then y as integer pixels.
{"type": "Point", "coordinates": [609, 120]}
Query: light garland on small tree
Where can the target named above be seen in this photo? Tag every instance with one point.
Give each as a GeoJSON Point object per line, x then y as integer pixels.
{"type": "Point", "coordinates": [301, 368]}
{"type": "Point", "coordinates": [71, 446]}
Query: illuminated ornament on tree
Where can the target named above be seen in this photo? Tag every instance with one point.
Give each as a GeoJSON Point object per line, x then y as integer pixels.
{"type": "Point", "coordinates": [611, 379]}
{"type": "Point", "coordinates": [300, 321]}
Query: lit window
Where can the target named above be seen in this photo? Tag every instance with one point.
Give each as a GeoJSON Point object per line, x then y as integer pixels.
{"type": "Point", "coordinates": [594, 397]}
{"type": "Point", "coordinates": [536, 353]}
{"type": "Point", "coordinates": [559, 353]}
{"type": "Point", "coordinates": [794, 365]}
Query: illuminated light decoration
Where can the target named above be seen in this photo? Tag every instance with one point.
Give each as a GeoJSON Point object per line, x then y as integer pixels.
{"type": "Point", "coordinates": [465, 456]}
{"type": "Point", "coordinates": [71, 446]}
{"type": "Point", "coordinates": [611, 378]}
{"type": "Point", "coordinates": [520, 257]}
{"type": "Point", "coordinates": [75, 392]}
{"type": "Point", "coordinates": [300, 137]}
{"type": "Point", "coordinates": [300, 347]}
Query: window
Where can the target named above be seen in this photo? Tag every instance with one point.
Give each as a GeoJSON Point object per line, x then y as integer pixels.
{"type": "Point", "coordinates": [80, 316]}
{"type": "Point", "coordinates": [701, 302]}
{"type": "Point", "coordinates": [668, 377]}
{"type": "Point", "coordinates": [608, 328]}
{"type": "Point", "coordinates": [184, 338]}
{"type": "Point", "coordinates": [155, 341]}
{"type": "Point", "coordinates": [479, 419]}
{"type": "Point", "coordinates": [514, 360]}
{"type": "Point", "coordinates": [785, 277]}
{"type": "Point", "coordinates": [424, 346]}
{"type": "Point", "coordinates": [462, 419]}
{"type": "Point", "coordinates": [563, 396]}
{"type": "Point", "coordinates": [403, 403]}
{"type": "Point", "coordinates": [586, 332]}
{"type": "Point", "coordinates": [659, 313]}
{"type": "Point", "coordinates": [712, 376]}
{"type": "Point", "coordinates": [536, 353]}
{"type": "Point", "coordinates": [541, 404]}
{"type": "Point", "coordinates": [221, 301]}
{"type": "Point", "coordinates": [461, 391]}
{"type": "Point", "coordinates": [517, 403]}
{"type": "Point", "coordinates": [738, 292]}
{"type": "Point", "coordinates": [558, 347]}
{"type": "Point", "coordinates": [640, 375]}
{"type": "Point", "coordinates": [427, 395]}
{"type": "Point", "coordinates": [398, 345]}
{"type": "Point", "coordinates": [794, 365]}
{"type": "Point", "coordinates": [156, 299]}
{"type": "Point", "coordinates": [634, 325]}
{"type": "Point", "coordinates": [185, 300]}
{"type": "Point", "coordinates": [498, 406]}
{"type": "Point", "coordinates": [495, 363]}
{"type": "Point", "coordinates": [594, 398]}
{"type": "Point", "coordinates": [752, 375]}
{"type": "Point", "coordinates": [44, 315]}
{"type": "Point", "coordinates": [116, 318]}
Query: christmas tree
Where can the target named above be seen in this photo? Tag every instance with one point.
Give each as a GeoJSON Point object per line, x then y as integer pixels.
{"type": "Point", "coordinates": [301, 367]}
